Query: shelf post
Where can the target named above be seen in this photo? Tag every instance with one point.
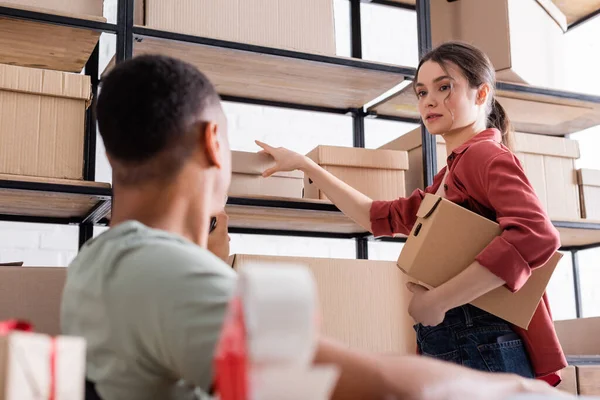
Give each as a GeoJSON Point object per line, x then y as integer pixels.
{"type": "Point", "coordinates": [362, 248]}
{"type": "Point", "coordinates": [125, 13]}
{"type": "Point", "coordinates": [577, 284]}
{"type": "Point", "coordinates": [428, 141]}
{"type": "Point", "coordinates": [89, 146]}
{"type": "Point", "coordinates": [356, 33]}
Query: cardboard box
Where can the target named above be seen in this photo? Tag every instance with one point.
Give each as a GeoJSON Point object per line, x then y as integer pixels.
{"type": "Point", "coordinates": [379, 174]}
{"type": "Point", "coordinates": [43, 122]}
{"type": "Point", "coordinates": [412, 143]}
{"type": "Point", "coordinates": [549, 163]}
{"type": "Point", "coordinates": [579, 337]}
{"type": "Point", "coordinates": [588, 380]}
{"type": "Point", "coordinates": [79, 7]}
{"type": "Point", "coordinates": [247, 177]}
{"type": "Point", "coordinates": [523, 39]}
{"type": "Point", "coordinates": [306, 26]}
{"type": "Point", "coordinates": [26, 365]}
{"type": "Point", "coordinates": [33, 294]}
{"type": "Point", "coordinates": [446, 239]}
{"type": "Point", "coordinates": [569, 380]}
{"type": "Point", "coordinates": [589, 193]}
{"type": "Point", "coordinates": [364, 304]}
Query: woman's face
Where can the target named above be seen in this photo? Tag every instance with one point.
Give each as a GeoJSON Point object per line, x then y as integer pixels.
{"type": "Point", "coordinates": [446, 101]}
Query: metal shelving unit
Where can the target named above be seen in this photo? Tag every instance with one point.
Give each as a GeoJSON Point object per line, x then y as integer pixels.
{"type": "Point", "coordinates": [275, 216]}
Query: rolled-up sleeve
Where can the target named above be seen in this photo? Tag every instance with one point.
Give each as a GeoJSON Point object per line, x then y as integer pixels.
{"type": "Point", "coordinates": [528, 238]}
{"type": "Point", "coordinates": [396, 216]}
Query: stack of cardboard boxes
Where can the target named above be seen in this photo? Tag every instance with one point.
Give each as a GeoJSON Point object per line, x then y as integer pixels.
{"type": "Point", "coordinates": [581, 343]}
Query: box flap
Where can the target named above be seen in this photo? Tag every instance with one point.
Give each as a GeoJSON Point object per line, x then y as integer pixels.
{"type": "Point", "coordinates": [45, 82]}
{"type": "Point", "coordinates": [409, 141]}
{"type": "Point", "coordinates": [428, 205]}
{"type": "Point", "coordinates": [243, 162]}
{"type": "Point", "coordinates": [545, 145]}
{"type": "Point", "coordinates": [588, 177]}
{"type": "Point", "coordinates": [555, 13]}
{"type": "Point", "coordinates": [359, 157]}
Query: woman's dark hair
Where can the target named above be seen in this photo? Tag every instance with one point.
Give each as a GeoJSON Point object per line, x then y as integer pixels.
{"type": "Point", "coordinates": [477, 69]}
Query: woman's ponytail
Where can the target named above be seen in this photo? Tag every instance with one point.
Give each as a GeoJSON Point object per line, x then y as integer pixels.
{"type": "Point", "coordinates": [499, 119]}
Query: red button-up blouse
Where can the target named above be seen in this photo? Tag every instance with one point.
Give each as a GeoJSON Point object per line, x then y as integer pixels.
{"type": "Point", "coordinates": [486, 178]}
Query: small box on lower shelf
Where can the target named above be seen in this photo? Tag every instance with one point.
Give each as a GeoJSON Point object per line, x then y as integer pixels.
{"type": "Point", "coordinates": [589, 193]}
{"type": "Point", "coordinates": [569, 380]}
{"type": "Point", "coordinates": [33, 294]}
{"type": "Point", "coordinates": [247, 179]}
{"type": "Point", "coordinates": [43, 122]}
{"type": "Point", "coordinates": [379, 174]}
{"type": "Point", "coordinates": [412, 143]}
{"type": "Point", "coordinates": [549, 163]}
{"type": "Point", "coordinates": [350, 311]}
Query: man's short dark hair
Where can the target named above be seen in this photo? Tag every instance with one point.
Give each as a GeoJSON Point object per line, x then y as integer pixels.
{"type": "Point", "coordinates": [147, 111]}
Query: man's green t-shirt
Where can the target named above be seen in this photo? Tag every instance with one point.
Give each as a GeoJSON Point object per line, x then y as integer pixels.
{"type": "Point", "coordinates": [150, 305]}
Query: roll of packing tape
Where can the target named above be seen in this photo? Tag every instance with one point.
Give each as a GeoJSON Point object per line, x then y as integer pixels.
{"type": "Point", "coordinates": [280, 305]}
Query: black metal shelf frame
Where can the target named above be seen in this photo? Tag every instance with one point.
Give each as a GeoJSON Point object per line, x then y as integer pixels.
{"type": "Point", "coordinates": [127, 34]}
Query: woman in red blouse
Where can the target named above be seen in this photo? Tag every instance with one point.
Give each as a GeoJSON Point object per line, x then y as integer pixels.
{"type": "Point", "coordinates": [455, 89]}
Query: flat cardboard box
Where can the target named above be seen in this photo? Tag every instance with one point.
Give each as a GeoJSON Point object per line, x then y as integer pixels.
{"type": "Point", "coordinates": [412, 143]}
{"type": "Point", "coordinates": [247, 179]}
{"type": "Point", "coordinates": [26, 367]}
{"type": "Point", "coordinates": [569, 380]}
{"type": "Point", "coordinates": [588, 380]}
{"type": "Point", "coordinates": [589, 193]}
{"type": "Point", "coordinates": [379, 174]}
{"type": "Point", "coordinates": [549, 163]}
{"type": "Point", "coordinates": [579, 337]}
{"type": "Point", "coordinates": [306, 26]}
{"type": "Point", "coordinates": [523, 39]}
{"type": "Point", "coordinates": [447, 238]}
{"type": "Point", "coordinates": [80, 7]}
{"type": "Point", "coordinates": [33, 294]}
{"type": "Point", "coordinates": [43, 122]}
{"type": "Point", "coordinates": [363, 303]}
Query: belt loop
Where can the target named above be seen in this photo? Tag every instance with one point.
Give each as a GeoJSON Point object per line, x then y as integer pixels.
{"type": "Point", "coordinates": [468, 319]}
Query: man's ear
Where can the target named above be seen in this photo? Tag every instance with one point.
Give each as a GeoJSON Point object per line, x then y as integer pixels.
{"type": "Point", "coordinates": [482, 94]}
{"type": "Point", "coordinates": [211, 144]}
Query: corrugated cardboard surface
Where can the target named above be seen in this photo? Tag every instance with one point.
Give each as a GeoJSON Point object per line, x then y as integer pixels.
{"type": "Point", "coordinates": [411, 142]}
{"type": "Point", "coordinates": [378, 184]}
{"type": "Point", "coordinates": [43, 122]}
{"type": "Point", "coordinates": [545, 145]}
{"type": "Point", "coordinates": [82, 7]}
{"type": "Point", "coordinates": [256, 185]}
{"type": "Point", "coordinates": [588, 379]}
{"type": "Point", "coordinates": [33, 294]}
{"type": "Point", "coordinates": [511, 32]}
{"type": "Point", "coordinates": [247, 177]}
{"type": "Point", "coordinates": [569, 380]}
{"type": "Point", "coordinates": [589, 193]}
{"type": "Point", "coordinates": [579, 337]}
{"type": "Point", "coordinates": [359, 157]}
{"type": "Point", "coordinates": [446, 239]}
{"type": "Point", "coordinates": [549, 163]}
{"type": "Point", "coordinates": [245, 162]}
{"type": "Point", "coordinates": [306, 25]}
{"type": "Point", "coordinates": [364, 304]}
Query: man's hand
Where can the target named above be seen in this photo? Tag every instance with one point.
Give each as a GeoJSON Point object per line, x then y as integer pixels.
{"type": "Point", "coordinates": [218, 240]}
{"type": "Point", "coordinates": [424, 307]}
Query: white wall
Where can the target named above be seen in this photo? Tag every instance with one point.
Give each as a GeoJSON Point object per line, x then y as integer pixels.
{"type": "Point", "coordinates": [389, 35]}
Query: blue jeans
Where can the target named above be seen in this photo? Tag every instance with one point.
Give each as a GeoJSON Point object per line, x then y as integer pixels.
{"type": "Point", "coordinates": [477, 339]}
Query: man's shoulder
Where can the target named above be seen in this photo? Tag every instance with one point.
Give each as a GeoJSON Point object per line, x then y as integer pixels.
{"type": "Point", "coordinates": [141, 257]}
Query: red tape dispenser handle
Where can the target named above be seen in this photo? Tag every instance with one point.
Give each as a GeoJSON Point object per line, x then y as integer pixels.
{"type": "Point", "coordinates": [231, 360]}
